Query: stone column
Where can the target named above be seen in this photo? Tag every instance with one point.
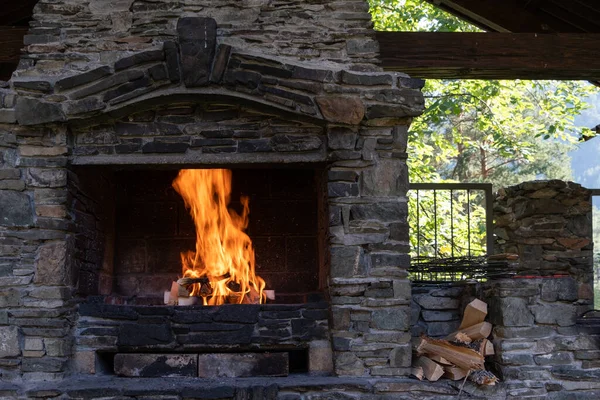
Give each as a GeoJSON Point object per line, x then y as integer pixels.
{"type": "Point", "coordinates": [370, 292]}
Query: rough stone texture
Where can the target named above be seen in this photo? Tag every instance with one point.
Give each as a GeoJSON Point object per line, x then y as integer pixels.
{"type": "Point", "coordinates": [156, 365]}
{"type": "Point", "coordinates": [225, 365]}
{"type": "Point", "coordinates": [9, 342]}
{"type": "Point", "coordinates": [15, 209]}
{"type": "Point", "coordinates": [197, 41]}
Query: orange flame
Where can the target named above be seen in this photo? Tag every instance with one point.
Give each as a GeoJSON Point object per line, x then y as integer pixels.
{"type": "Point", "coordinates": [224, 255]}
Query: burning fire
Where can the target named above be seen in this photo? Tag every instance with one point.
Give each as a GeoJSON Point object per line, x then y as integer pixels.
{"type": "Point", "coordinates": [221, 270]}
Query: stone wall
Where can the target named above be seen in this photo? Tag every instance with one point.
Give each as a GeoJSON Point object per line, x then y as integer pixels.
{"type": "Point", "coordinates": [436, 309]}
{"type": "Point", "coordinates": [549, 225]}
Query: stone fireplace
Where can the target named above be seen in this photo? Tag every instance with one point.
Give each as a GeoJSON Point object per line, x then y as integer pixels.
{"type": "Point", "coordinates": [96, 126]}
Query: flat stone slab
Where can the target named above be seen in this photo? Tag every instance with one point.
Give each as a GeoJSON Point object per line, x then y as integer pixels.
{"type": "Point", "coordinates": [156, 365]}
{"type": "Point", "coordinates": [232, 365]}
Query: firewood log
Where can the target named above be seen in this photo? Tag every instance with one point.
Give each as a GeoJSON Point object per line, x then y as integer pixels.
{"type": "Point", "coordinates": [489, 349]}
{"type": "Point", "coordinates": [417, 372]}
{"type": "Point", "coordinates": [454, 373]}
{"type": "Point", "coordinates": [483, 377]}
{"type": "Point", "coordinates": [432, 370]}
{"type": "Point", "coordinates": [474, 313]}
{"type": "Point", "coordinates": [459, 356]}
{"type": "Point", "coordinates": [440, 360]}
{"type": "Point", "coordinates": [479, 331]}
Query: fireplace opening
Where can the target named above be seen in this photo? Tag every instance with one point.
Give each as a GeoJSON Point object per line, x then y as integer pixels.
{"type": "Point", "coordinates": [133, 226]}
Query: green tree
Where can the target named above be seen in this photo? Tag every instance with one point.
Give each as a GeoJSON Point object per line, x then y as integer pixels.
{"type": "Point", "coordinates": [502, 132]}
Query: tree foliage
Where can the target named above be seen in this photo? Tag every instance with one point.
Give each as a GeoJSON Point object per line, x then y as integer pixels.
{"type": "Point", "coordinates": [502, 132]}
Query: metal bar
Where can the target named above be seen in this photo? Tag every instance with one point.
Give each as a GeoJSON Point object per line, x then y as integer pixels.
{"type": "Point", "coordinates": [449, 186]}
{"type": "Point", "coordinates": [451, 224]}
{"type": "Point", "coordinates": [489, 220]}
{"type": "Point", "coordinates": [469, 222]}
{"type": "Point", "coordinates": [435, 229]}
{"type": "Point", "coordinates": [418, 227]}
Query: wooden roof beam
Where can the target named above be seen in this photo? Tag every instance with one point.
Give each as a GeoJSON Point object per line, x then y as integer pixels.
{"type": "Point", "coordinates": [443, 55]}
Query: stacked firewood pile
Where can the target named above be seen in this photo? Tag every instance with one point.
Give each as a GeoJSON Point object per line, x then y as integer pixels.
{"type": "Point", "coordinates": [461, 355]}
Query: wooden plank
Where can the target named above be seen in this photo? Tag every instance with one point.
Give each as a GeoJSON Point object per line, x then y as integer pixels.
{"type": "Point", "coordinates": [459, 356]}
{"type": "Point", "coordinates": [479, 331]}
{"type": "Point", "coordinates": [451, 55]}
{"type": "Point", "coordinates": [474, 313]}
{"type": "Point", "coordinates": [11, 42]}
{"type": "Point", "coordinates": [432, 370]}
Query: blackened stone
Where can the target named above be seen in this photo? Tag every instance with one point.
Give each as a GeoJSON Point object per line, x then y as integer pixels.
{"type": "Point", "coordinates": [220, 64]}
{"type": "Point", "coordinates": [37, 86]}
{"type": "Point", "coordinates": [163, 128]}
{"type": "Point", "coordinates": [411, 83]}
{"type": "Point", "coordinates": [239, 337]}
{"type": "Point", "coordinates": [298, 98]}
{"type": "Point", "coordinates": [88, 104]}
{"type": "Point", "coordinates": [286, 143]}
{"type": "Point", "coordinates": [341, 139]}
{"type": "Point", "coordinates": [221, 134]}
{"type": "Point", "coordinates": [242, 313]}
{"type": "Point", "coordinates": [342, 189]}
{"type": "Point", "coordinates": [106, 83]}
{"type": "Point", "coordinates": [126, 88]}
{"type": "Point", "coordinates": [283, 314]}
{"type": "Point", "coordinates": [139, 58]}
{"type": "Point", "coordinates": [348, 261]}
{"type": "Point", "coordinates": [15, 209]}
{"type": "Point", "coordinates": [220, 149]}
{"type": "Point", "coordinates": [110, 331]}
{"type": "Point", "coordinates": [223, 365]}
{"type": "Point", "coordinates": [46, 364]}
{"type": "Point", "coordinates": [197, 41]}
{"type": "Point", "coordinates": [254, 146]}
{"type": "Point", "coordinates": [33, 112]}
{"type": "Point", "coordinates": [158, 72]}
{"type": "Point", "coordinates": [92, 393]}
{"type": "Point", "coordinates": [386, 212]}
{"type": "Point", "coordinates": [128, 146]}
{"type": "Point", "coordinates": [156, 365]}
{"type": "Point", "coordinates": [212, 142]}
{"type": "Point", "coordinates": [317, 75]}
{"type": "Point", "coordinates": [250, 79]}
{"type": "Point", "coordinates": [82, 79]}
{"type": "Point", "coordinates": [390, 111]}
{"type": "Point", "coordinates": [133, 335]}
{"type": "Point", "coordinates": [214, 326]}
{"type": "Point", "coordinates": [164, 147]}
{"type": "Point", "coordinates": [108, 311]}
{"type": "Point", "coordinates": [193, 316]}
{"type": "Point", "coordinates": [315, 314]}
{"type": "Point", "coordinates": [172, 57]}
{"type": "Point", "coordinates": [209, 393]}
{"type": "Point", "coordinates": [341, 343]}
{"type": "Point", "coordinates": [342, 175]}
{"type": "Point", "coordinates": [366, 79]}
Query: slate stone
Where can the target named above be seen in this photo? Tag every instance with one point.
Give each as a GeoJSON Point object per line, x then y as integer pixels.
{"type": "Point", "coordinates": [172, 61]}
{"type": "Point", "coordinates": [220, 63]}
{"type": "Point", "coordinates": [379, 260]}
{"type": "Point", "coordinates": [556, 314]}
{"type": "Point", "coordinates": [239, 337]}
{"type": "Point", "coordinates": [156, 365]}
{"type": "Point", "coordinates": [411, 83]}
{"type": "Point", "coordinates": [310, 74]}
{"type": "Point", "coordinates": [386, 212]}
{"type": "Point", "coordinates": [158, 72]}
{"type": "Point", "coordinates": [348, 261]}
{"type": "Point", "coordinates": [296, 97]}
{"type": "Point", "coordinates": [45, 364]}
{"type": "Point", "coordinates": [576, 373]}
{"type": "Point", "coordinates": [8, 116]}
{"type": "Point", "coordinates": [193, 316]}
{"type": "Point", "coordinates": [391, 318]}
{"type": "Point", "coordinates": [33, 112]}
{"type": "Point", "coordinates": [239, 313]}
{"type": "Point", "coordinates": [342, 175]}
{"type": "Point", "coordinates": [197, 41]}
{"type": "Point", "coordinates": [109, 311]}
{"type": "Point", "coordinates": [164, 147]}
{"type": "Point", "coordinates": [227, 365]}
{"type": "Point", "coordinates": [564, 289]}
{"type": "Point", "coordinates": [289, 143]}
{"type": "Point", "coordinates": [342, 189]}
{"type": "Point", "coordinates": [37, 86]}
{"type": "Point", "coordinates": [440, 315]}
{"type": "Point", "coordinates": [254, 146]}
{"type": "Point", "coordinates": [436, 303]}
{"type": "Point", "coordinates": [107, 83]}
{"type": "Point", "coordinates": [212, 142]}
{"type": "Point", "coordinates": [86, 105]}
{"type": "Point", "coordinates": [82, 79]}
{"type": "Point", "coordinates": [341, 138]}
{"type": "Point", "coordinates": [126, 88]}
{"type": "Point", "coordinates": [9, 338]}
{"type": "Point", "coordinates": [139, 58]}
{"type": "Point", "coordinates": [366, 79]}
{"type": "Point", "coordinates": [46, 177]}
{"type": "Point", "coordinates": [15, 209]}
{"type": "Point", "coordinates": [510, 311]}
{"type": "Point", "coordinates": [135, 335]}
{"type": "Point", "coordinates": [210, 393]}
{"type": "Point", "coordinates": [51, 264]}
{"type": "Point", "coordinates": [389, 177]}
{"type": "Point", "coordinates": [128, 146]}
